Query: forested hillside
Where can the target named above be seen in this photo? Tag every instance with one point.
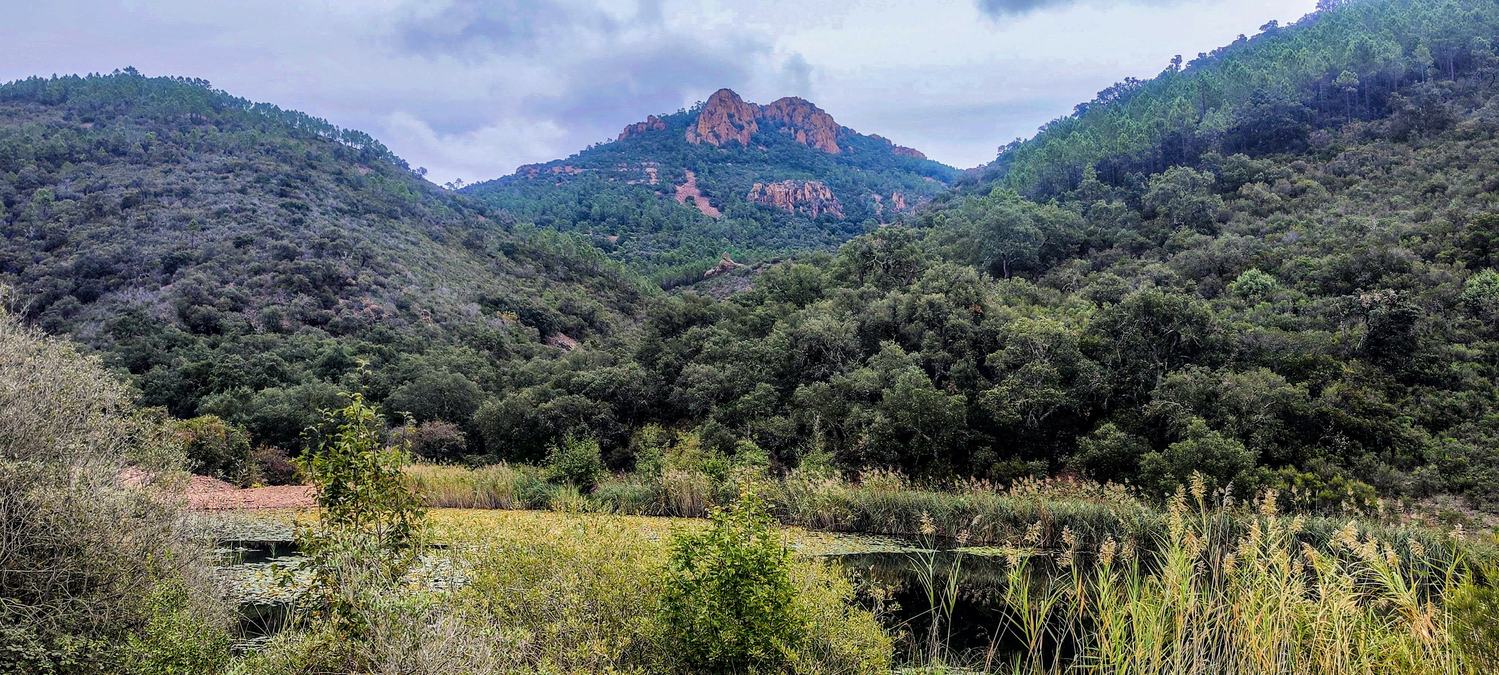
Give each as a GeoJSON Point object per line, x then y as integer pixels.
{"type": "Point", "coordinates": [251, 261]}
{"type": "Point", "coordinates": [1311, 305]}
{"type": "Point", "coordinates": [674, 192]}
{"type": "Point", "coordinates": [1273, 266]}
{"type": "Point", "coordinates": [1350, 60]}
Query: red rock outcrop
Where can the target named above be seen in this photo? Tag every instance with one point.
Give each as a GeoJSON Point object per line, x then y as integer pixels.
{"type": "Point", "coordinates": [725, 265]}
{"type": "Point", "coordinates": [723, 118]}
{"type": "Point", "coordinates": [898, 202]}
{"type": "Point", "coordinates": [726, 118]}
{"type": "Point", "coordinates": [651, 123]}
{"type": "Point", "coordinates": [899, 150]}
{"type": "Point", "coordinates": [809, 197]}
{"type": "Point", "coordinates": [807, 122]}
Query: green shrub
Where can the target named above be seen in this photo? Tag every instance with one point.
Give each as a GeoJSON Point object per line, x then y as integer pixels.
{"type": "Point", "coordinates": [1220, 459]}
{"type": "Point", "coordinates": [728, 601]}
{"type": "Point", "coordinates": [369, 522]}
{"type": "Point", "coordinates": [86, 555]}
{"type": "Point", "coordinates": [433, 440]}
{"type": "Point", "coordinates": [577, 461]}
{"type": "Point", "coordinates": [217, 448]}
{"type": "Point", "coordinates": [174, 640]}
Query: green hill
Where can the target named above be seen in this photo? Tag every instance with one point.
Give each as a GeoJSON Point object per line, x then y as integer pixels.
{"type": "Point", "coordinates": [244, 259]}
{"type": "Point", "coordinates": [674, 192]}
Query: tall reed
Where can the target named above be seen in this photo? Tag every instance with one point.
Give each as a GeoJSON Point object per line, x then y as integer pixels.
{"type": "Point", "coordinates": [1260, 601]}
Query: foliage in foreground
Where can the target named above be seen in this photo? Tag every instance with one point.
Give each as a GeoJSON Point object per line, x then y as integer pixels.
{"type": "Point", "coordinates": [572, 594]}
{"type": "Point", "coordinates": [1261, 602]}
{"type": "Point", "coordinates": [96, 575]}
{"type": "Point", "coordinates": [729, 594]}
{"type": "Point", "coordinates": [884, 502]}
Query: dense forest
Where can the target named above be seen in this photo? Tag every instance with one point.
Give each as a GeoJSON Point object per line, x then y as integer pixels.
{"type": "Point", "coordinates": [1273, 265]}
{"type": "Point", "coordinates": [1296, 290]}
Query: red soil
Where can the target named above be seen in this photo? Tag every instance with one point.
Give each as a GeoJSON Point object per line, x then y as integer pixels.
{"type": "Point", "coordinates": [212, 494]}
{"type": "Point", "coordinates": [689, 190]}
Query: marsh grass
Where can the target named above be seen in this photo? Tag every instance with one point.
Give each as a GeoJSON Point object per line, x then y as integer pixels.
{"type": "Point", "coordinates": [880, 502]}
{"type": "Point", "coordinates": [1205, 599]}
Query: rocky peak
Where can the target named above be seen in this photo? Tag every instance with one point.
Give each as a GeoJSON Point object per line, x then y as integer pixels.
{"type": "Point", "coordinates": [809, 197]}
{"type": "Point", "coordinates": [807, 122]}
{"type": "Point", "coordinates": [724, 117]}
{"type": "Point", "coordinates": [651, 123]}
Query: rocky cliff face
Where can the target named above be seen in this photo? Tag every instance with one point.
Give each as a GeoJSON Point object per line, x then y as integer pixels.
{"type": "Point", "coordinates": [807, 122]}
{"type": "Point", "coordinates": [809, 197]}
{"type": "Point", "coordinates": [897, 203]}
{"type": "Point", "coordinates": [904, 151]}
{"type": "Point", "coordinates": [725, 118]}
{"type": "Point", "coordinates": [651, 123]}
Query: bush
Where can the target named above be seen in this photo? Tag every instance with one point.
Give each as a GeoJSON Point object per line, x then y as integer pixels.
{"type": "Point", "coordinates": [435, 440]}
{"type": "Point", "coordinates": [273, 466]}
{"type": "Point", "coordinates": [1220, 459]}
{"type": "Point", "coordinates": [86, 555]}
{"type": "Point", "coordinates": [728, 602]}
{"type": "Point", "coordinates": [174, 640]}
{"type": "Point", "coordinates": [369, 521]}
{"type": "Point", "coordinates": [217, 448]}
{"type": "Point", "coordinates": [577, 461]}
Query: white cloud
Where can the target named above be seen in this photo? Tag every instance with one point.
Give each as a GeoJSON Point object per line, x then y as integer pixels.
{"type": "Point", "coordinates": [471, 154]}
{"type": "Point", "coordinates": [473, 89]}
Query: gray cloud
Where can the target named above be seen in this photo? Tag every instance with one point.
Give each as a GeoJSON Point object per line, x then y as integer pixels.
{"type": "Point", "coordinates": [1014, 7]}
{"type": "Point", "coordinates": [473, 88]}
{"type": "Point", "coordinates": [1009, 8]}
{"type": "Point", "coordinates": [477, 28]}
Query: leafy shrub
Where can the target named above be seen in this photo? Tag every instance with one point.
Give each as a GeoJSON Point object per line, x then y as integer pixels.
{"type": "Point", "coordinates": [369, 522]}
{"type": "Point", "coordinates": [1219, 458]}
{"type": "Point", "coordinates": [1108, 453]}
{"type": "Point", "coordinates": [88, 556]}
{"type": "Point", "coordinates": [216, 448]}
{"type": "Point", "coordinates": [728, 601]}
{"type": "Point", "coordinates": [174, 639]}
{"type": "Point", "coordinates": [577, 461]}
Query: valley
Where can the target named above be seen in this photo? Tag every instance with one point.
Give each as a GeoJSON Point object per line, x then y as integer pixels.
{"type": "Point", "coordinates": [1202, 377]}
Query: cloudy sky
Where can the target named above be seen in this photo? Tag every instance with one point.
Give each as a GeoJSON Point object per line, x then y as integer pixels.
{"type": "Point", "coordinates": [472, 88]}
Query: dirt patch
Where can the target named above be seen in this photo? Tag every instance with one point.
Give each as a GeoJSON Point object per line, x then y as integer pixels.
{"type": "Point", "coordinates": [208, 494]}
{"type": "Point", "coordinates": [689, 190]}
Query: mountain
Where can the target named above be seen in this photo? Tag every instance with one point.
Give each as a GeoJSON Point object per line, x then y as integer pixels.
{"type": "Point", "coordinates": [1276, 267]}
{"type": "Point", "coordinates": [244, 259]}
{"type": "Point", "coordinates": [675, 191]}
